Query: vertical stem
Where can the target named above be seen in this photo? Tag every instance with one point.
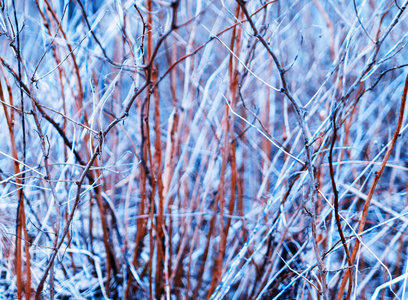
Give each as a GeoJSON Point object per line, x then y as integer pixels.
{"type": "Point", "coordinates": [336, 205]}
{"type": "Point", "coordinates": [377, 177]}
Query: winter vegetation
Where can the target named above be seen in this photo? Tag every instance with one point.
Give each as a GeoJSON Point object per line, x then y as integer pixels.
{"type": "Point", "coordinates": [206, 149]}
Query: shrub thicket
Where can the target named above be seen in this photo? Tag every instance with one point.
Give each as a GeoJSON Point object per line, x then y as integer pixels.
{"type": "Point", "coordinates": [203, 149]}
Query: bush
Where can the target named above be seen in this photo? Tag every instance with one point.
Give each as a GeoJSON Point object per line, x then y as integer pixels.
{"type": "Point", "coordinates": [196, 149]}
